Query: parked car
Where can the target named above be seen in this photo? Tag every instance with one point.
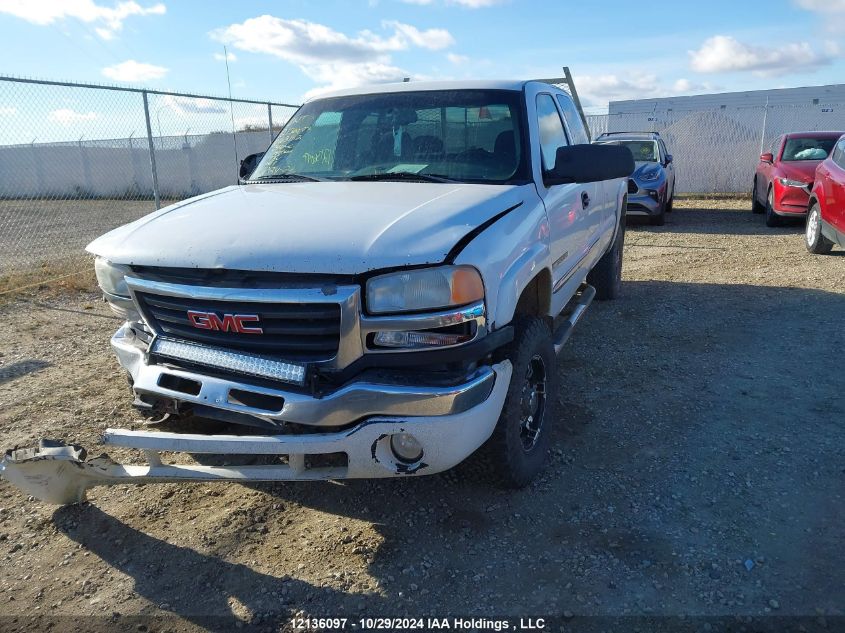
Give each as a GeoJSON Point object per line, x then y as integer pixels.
{"type": "Point", "coordinates": [784, 176]}
{"type": "Point", "coordinates": [384, 294]}
{"type": "Point", "coordinates": [826, 210]}
{"type": "Point", "coordinates": [651, 187]}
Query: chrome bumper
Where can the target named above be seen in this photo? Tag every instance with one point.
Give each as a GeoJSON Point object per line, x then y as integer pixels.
{"type": "Point", "coordinates": [61, 474]}
{"type": "Point", "coordinates": [352, 402]}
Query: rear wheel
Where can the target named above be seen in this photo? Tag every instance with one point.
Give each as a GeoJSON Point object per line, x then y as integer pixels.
{"type": "Point", "coordinates": [756, 207]}
{"type": "Point", "coordinates": [606, 276]}
{"type": "Point", "coordinates": [816, 243]}
{"type": "Point", "coordinates": [517, 450]}
{"type": "Point", "coordinates": [772, 218]}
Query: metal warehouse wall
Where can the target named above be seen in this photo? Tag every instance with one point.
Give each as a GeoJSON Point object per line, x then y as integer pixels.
{"type": "Point", "coordinates": [805, 96]}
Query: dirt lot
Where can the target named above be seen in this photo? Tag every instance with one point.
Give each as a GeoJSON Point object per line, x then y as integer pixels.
{"type": "Point", "coordinates": [699, 468]}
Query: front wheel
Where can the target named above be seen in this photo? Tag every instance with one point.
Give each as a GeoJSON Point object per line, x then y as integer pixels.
{"type": "Point", "coordinates": [517, 450]}
{"type": "Point", "coordinates": [772, 218]}
{"type": "Point", "coordinates": [816, 243]}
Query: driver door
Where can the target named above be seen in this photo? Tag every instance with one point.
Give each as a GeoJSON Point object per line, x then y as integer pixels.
{"type": "Point", "coordinates": [568, 206]}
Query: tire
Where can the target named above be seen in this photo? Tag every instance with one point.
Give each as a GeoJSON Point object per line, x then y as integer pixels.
{"type": "Point", "coordinates": [670, 205]}
{"type": "Point", "coordinates": [816, 243]}
{"type": "Point", "coordinates": [517, 451]}
{"type": "Point", "coordinates": [756, 207]}
{"type": "Point", "coordinates": [772, 218]}
{"type": "Point", "coordinates": [659, 219]}
{"type": "Point", "coordinates": [606, 276]}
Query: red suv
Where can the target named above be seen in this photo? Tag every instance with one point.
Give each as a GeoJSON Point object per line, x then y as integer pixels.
{"type": "Point", "coordinates": [826, 211]}
{"type": "Point", "coordinates": [785, 174]}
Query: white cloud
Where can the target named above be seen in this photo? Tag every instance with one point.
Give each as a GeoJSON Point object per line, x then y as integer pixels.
{"type": "Point", "coordinates": [722, 53]}
{"type": "Point", "coordinates": [599, 89]}
{"type": "Point", "coordinates": [822, 6]}
{"type": "Point", "coordinates": [456, 59]}
{"type": "Point", "coordinates": [192, 105]}
{"type": "Point", "coordinates": [339, 75]}
{"type": "Point", "coordinates": [432, 39]}
{"type": "Point", "coordinates": [132, 71]}
{"type": "Point", "coordinates": [230, 57]}
{"type": "Point", "coordinates": [66, 116]}
{"type": "Point", "coordinates": [109, 20]}
{"type": "Point", "coordinates": [331, 58]}
{"type": "Point", "coordinates": [8, 111]}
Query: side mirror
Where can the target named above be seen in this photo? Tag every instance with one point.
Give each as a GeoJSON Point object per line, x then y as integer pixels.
{"type": "Point", "coordinates": [668, 158]}
{"type": "Point", "coordinates": [768, 157]}
{"type": "Point", "coordinates": [590, 163]}
{"type": "Point", "coordinates": [248, 165]}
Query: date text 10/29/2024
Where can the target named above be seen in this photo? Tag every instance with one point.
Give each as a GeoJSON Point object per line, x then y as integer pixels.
{"type": "Point", "coordinates": [419, 624]}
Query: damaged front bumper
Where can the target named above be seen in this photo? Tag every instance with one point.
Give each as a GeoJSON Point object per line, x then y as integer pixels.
{"type": "Point", "coordinates": [61, 474]}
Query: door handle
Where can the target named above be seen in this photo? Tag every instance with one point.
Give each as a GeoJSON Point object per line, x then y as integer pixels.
{"type": "Point", "coordinates": [585, 199]}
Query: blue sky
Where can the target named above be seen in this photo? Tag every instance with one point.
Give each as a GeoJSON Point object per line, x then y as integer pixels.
{"type": "Point", "coordinates": [287, 50]}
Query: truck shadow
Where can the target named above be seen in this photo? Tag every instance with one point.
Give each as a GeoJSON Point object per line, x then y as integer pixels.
{"type": "Point", "coordinates": [680, 397]}
{"type": "Point", "coordinates": [710, 221]}
{"type": "Point", "coordinates": [220, 596]}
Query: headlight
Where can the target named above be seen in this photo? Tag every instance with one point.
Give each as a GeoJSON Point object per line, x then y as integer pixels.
{"type": "Point", "coordinates": [788, 182]}
{"type": "Point", "coordinates": [424, 289]}
{"type": "Point", "coordinates": [650, 176]}
{"type": "Point", "coordinates": [111, 277]}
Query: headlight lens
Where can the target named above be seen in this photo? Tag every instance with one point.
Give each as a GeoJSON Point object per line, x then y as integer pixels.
{"type": "Point", "coordinates": [424, 289]}
{"type": "Point", "coordinates": [111, 277]}
{"type": "Point", "coordinates": [650, 176]}
{"type": "Point", "coordinates": [789, 182]}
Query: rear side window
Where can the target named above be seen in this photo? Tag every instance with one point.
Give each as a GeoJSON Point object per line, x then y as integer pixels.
{"type": "Point", "coordinates": [839, 154]}
{"type": "Point", "coordinates": [551, 131]}
{"type": "Point", "coordinates": [573, 120]}
{"type": "Point", "coordinates": [797, 149]}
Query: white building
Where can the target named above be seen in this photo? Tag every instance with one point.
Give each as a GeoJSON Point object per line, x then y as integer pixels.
{"type": "Point", "coordinates": [819, 96]}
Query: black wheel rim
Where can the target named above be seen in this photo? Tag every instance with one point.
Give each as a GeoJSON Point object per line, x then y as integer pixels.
{"type": "Point", "coordinates": [533, 403]}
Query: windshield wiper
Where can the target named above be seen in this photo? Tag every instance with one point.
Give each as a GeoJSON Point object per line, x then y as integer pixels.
{"type": "Point", "coordinates": [401, 175]}
{"type": "Point", "coordinates": [285, 177]}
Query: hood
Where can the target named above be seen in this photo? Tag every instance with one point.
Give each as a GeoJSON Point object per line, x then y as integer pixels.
{"type": "Point", "coordinates": [309, 227]}
{"type": "Point", "coordinates": [804, 170]}
{"type": "Point", "coordinates": [644, 168]}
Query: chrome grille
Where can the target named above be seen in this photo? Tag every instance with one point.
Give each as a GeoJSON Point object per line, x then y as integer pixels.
{"type": "Point", "coordinates": [294, 331]}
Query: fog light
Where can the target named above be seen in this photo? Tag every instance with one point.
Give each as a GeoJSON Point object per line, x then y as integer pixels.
{"type": "Point", "coordinates": [418, 339]}
{"type": "Point", "coordinates": [406, 448]}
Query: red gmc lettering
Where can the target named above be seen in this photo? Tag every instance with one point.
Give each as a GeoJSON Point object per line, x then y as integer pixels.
{"type": "Point", "coordinates": [229, 322]}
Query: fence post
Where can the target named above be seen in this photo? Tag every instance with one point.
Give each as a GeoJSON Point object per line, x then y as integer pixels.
{"type": "Point", "coordinates": [152, 150]}
{"type": "Point", "coordinates": [270, 120]}
{"type": "Point", "coordinates": [763, 133]}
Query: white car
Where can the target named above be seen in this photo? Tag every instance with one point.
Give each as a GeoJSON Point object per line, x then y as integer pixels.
{"type": "Point", "coordinates": [383, 294]}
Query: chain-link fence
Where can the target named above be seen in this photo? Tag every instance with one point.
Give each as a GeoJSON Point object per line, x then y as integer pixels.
{"type": "Point", "coordinates": [77, 160]}
{"type": "Point", "coordinates": [716, 151]}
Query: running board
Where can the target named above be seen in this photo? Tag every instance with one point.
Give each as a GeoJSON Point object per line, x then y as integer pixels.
{"type": "Point", "coordinates": [577, 307]}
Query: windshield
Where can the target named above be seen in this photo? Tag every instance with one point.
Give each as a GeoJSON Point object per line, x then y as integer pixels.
{"type": "Point", "coordinates": [797, 149]}
{"type": "Point", "coordinates": [441, 136]}
{"type": "Point", "coordinates": [645, 151]}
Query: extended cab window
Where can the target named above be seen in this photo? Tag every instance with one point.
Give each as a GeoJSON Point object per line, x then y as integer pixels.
{"type": "Point", "coordinates": [460, 135]}
{"type": "Point", "coordinates": [551, 131]}
{"type": "Point", "coordinates": [573, 120]}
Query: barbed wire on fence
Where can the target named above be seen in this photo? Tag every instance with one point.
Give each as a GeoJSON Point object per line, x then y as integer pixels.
{"type": "Point", "coordinates": [79, 159]}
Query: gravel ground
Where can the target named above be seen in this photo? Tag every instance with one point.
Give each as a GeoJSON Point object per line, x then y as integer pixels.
{"type": "Point", "coordinates": [697, 469]}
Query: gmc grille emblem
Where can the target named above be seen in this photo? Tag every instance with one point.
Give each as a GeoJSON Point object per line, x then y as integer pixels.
{"type": "Point", "coordinates": [229, 322]}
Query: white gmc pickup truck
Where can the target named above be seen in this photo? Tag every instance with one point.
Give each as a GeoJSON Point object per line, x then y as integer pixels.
{"type": "Point", "coordinates": [383, 294]}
